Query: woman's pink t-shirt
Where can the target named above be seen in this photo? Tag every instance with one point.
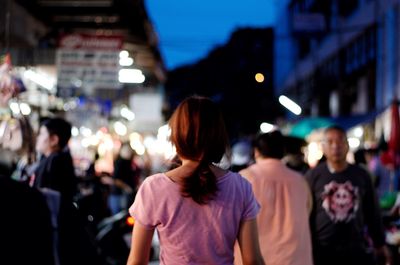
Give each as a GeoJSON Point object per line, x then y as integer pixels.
{"type": "Point", "coordinates": [190, 233]}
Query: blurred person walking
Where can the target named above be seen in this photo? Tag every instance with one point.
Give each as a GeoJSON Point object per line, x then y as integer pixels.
{"type": "Point", "coordinates": [198, 208]}
{"type": "Point", "coordinates": [382, 172]}
{"type": "Point", "coordinates": [285, 200]}
{"type": "Point", "coordinates": [241, 155]}
{"type": "Point", "coordinates": [91, 170]}
{"type": "Point", "coordinates": [56, 169]}
{"type": "Point", "coordinates": [26, 231]}
{"type": "Point", "coordinates": [344, 205]}
{"type": "Point", "coordinates": [18, 137]}
{"type": "Point", "coordinates": [26, 235]}
{"type": "Point", "coordinates": [55, 176]}
{"type": "Point", "coordinates": [125, 180]}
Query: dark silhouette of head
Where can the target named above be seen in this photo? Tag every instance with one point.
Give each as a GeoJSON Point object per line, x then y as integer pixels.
{"type": "Point", "coordinates": [59, 127]}
{"type": "Point", "coordinates": [270, 145]}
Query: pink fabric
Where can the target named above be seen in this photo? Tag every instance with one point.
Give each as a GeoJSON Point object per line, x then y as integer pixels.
{"type": "Point", "coordinates": [190, 233]}
{"type": "Point", "coordinates": [283, 226]}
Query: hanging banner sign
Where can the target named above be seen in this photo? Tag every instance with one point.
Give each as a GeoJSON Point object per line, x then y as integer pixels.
{"type": "Point", "coordinates": [90, 42]}
{"type": "Point", "coordinates": [87, 62]}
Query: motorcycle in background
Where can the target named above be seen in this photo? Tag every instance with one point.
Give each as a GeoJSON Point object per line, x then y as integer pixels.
{"type": "Point", "coordinates": [111, 234]}
{"type": "Point", "coordinates": [114, 239]}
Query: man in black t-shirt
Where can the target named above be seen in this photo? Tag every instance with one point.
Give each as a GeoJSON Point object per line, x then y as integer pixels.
{"type": "Point", "coordinates": [345, 221]}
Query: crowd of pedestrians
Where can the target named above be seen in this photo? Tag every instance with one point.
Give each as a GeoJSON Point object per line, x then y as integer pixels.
{"type": "Point", "coordinates": [324, 215]}
{"type": "Point", "coordinates": [260, 210]}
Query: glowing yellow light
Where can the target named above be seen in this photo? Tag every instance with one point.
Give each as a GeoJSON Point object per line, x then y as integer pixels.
{"type": "Point", "coordinates": [259, 77]}
{"type": "Point", "coordinates": [130, 221]}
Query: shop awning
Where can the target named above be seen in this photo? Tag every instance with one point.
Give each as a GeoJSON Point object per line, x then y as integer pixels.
{"type": "Point", "coordinates": [305, 126]}
{"type": "Point", "coordinates": [351, 121]}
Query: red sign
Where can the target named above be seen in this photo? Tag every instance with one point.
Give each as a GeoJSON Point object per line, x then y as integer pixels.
{"type": "Point", "coordinates": [90, 42]}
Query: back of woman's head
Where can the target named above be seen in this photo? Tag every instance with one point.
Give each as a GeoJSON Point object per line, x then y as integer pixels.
{"type": "Point", "coordinates": [198, 130]}
{"type": "Point", "coordinates": [198, 133]}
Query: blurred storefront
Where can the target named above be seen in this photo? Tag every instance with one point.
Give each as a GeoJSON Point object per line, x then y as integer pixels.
{"type": "Point", "coordinates": [96, 63]}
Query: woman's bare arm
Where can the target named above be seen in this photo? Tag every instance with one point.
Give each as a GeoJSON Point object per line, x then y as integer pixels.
{"type": "Point", "coordinates": [140, 246]}
{"type": "Point", "coordinates": [248, 242]}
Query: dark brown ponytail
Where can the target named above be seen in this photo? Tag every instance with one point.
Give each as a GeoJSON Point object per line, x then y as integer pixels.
{"type": "Point", "coordinates": [201, 186]}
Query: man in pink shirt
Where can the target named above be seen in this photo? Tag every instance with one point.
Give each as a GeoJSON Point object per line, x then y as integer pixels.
{"type": "Point", "coordinates": [285, 200]}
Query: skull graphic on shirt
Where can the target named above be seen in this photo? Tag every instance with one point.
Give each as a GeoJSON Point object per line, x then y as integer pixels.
{"type": "Point", "coordinates": [340, 201]}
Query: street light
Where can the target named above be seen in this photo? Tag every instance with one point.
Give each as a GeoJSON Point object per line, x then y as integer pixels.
{"type": "Point", "coordinates": [266, 127]}
{"type": "Point", "coordinates": [290, 105]}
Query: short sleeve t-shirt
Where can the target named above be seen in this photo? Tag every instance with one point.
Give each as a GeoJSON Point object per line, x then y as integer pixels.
{"type": "Point", "coordinates": [344, 204]}
{"type": "Point", "coordinates": [191, 233]}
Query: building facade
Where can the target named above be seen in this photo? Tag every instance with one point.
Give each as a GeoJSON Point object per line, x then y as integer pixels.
{"type": "Point", "coordinates": [338, 58]}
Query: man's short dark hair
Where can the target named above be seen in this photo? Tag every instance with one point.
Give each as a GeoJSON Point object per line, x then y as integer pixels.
{"type": "Point", "coordinates": [270, 144]}
{"type": "Point", "coordinates": [59, 127]}
{"type": "Point", "coordinates": [335, 128]}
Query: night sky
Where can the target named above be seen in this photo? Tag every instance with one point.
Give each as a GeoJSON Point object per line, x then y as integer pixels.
{"type": "Point", "coordinates": [188, 30]}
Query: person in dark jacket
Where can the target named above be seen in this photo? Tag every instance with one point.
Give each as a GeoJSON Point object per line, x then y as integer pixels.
{"type": "Point", "coordinates": [56, 169]}
{"type": "Point", "coordinates": [26, 235]}
{"type": "Point", "coordinates": [344, 205]}
{"type": "Point", "coordinates": [56, 173]}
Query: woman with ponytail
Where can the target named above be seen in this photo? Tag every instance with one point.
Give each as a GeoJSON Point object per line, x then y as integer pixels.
{"type": "Point", "coordinates": [198, 209]}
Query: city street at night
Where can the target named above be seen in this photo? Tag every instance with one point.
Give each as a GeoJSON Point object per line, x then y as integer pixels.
{"type": "Point", "coordinates": [213, 132]}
